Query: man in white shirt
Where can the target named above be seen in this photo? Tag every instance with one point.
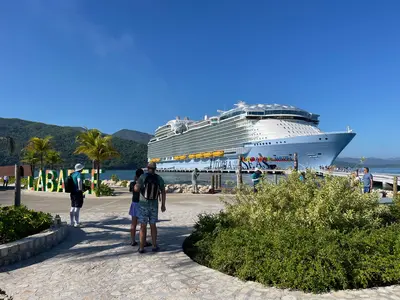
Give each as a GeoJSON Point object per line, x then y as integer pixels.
{"type": "Point", "coordinates": [5, 181]}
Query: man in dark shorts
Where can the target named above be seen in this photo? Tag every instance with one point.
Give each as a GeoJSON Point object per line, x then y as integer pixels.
{"type": "Point", "coordinates": [149, 185]}
{"type": "Point", "coordinates": [76, 195]}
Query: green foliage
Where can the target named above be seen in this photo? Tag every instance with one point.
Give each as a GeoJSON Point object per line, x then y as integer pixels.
{"type": "Point", "coordinates": [133, 154]}
{"type": "Point", "coordinates": [30, 158]}
{"type": "Point", "coordinates": [315, 203]}
{"type": "Point", "coordinates": [97, 148]}
{"type": "Point", "coordinates": [314, 235]}
{"type": "Point", "coordinates": [114, 178]}
{"type": "Point", "coordinates": [19, 222]}
{"type": "Point", "coordinates": [124, 183]}
{"type": "Point", "coordinates": [40, 148]}
{"type": "Point", "coordinates": [104, 190]}
{"type": "Point", "coordinates": [10, 143]}
{"type": "Point", "coordinates": [53, 158]}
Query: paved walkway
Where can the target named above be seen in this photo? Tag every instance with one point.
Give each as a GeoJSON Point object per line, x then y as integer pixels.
{"type": "Point", "coordinates": [96, 262]}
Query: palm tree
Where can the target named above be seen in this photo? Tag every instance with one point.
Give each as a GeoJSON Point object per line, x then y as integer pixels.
{"type": "Point", "coordinates": [53, 157]}
{"type": "Point", "coordinates": [10, 143]}
{"type": "Point", "coordinates": [97, 148]}
{"type": "Point", "coordinates": [40, 147]}
{"type": "Point", "coordinates": [31, 159]}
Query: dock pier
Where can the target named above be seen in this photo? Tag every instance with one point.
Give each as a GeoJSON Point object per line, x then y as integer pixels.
{"type": "Point", "coordinates": [265, 171]}
{"type": "Point", "coordinates": [386, 180]}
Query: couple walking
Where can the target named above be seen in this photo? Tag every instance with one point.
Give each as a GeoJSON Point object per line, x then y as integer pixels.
{"type": "Point", "coordinates": [146, 190]}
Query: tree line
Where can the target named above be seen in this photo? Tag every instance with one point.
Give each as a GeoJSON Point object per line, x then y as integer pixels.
{"type": "Point", "coordinates": [40, 152]}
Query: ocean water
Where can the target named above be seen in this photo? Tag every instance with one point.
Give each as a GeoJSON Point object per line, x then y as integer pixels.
{"type": "Point", "coordinates": [228, 179]}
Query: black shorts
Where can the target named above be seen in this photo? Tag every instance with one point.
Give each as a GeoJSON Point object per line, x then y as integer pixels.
{"type": "Point", "coordinates": [76, 199]}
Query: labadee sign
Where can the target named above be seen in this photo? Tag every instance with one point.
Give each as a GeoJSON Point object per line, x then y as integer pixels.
{"type": "Point", "coordinates": [53, 181]}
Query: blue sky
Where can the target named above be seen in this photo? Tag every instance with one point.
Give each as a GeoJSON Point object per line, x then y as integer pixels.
{"type": "Point", "coordinates": [136, 64]}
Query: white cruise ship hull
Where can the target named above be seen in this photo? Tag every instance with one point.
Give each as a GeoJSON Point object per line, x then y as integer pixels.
{"type": "Point", "coordinates": [313, 151]}
{"type": "Point", "coordinates": [263, 135]}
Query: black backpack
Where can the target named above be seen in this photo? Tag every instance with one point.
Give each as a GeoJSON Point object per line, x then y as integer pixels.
{"type": "Point", "coordinates": [69, 184]}
{"type": "Point", "coordinates": [151, 187]}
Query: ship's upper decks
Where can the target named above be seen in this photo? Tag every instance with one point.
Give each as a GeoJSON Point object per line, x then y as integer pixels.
{"type": "Point", "coordinates": [260, 110]}
{"type": "Point", "coordinates": [257, 111]}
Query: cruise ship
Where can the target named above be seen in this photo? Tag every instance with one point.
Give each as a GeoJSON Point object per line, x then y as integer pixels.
{"type": "Point", "coordinates": [264, 136]}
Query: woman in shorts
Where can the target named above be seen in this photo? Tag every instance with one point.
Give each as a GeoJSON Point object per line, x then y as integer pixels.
{"type": "Point", "coordinates": [134, 209]}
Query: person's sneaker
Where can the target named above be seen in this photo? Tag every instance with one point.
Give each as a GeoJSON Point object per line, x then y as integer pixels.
{"type": "Point", "coordinates": [141, 251]}
{"type": "Point", "coordinates": [156, 249]}
{"type": "Point", "coordinates": [76, 225]}
{"type": "Point", "coordinates": [134, 243]}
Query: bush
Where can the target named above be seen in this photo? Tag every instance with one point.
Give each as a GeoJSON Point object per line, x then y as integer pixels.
{"type": "Point", "coordinates": [315, 235]}
{"type": "Point", "coordinates": [114, 178]}
{"type": "Point", "coordinates": [124, 183]}
{"type": "Point", "coordinates": [19, 222]}
{"type": "Point", "coordinates": [104, 190]}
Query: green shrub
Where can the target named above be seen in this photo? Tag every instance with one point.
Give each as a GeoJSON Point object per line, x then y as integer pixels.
{"type": "Point", "coordinates": [19, 222]}
{"type": "Point", "coordinates": [114, 178]}
{"type": "Point", "coordinates": [104, 190]}
{"type": "Point", "coordinates": [315, 203]}
{"type": "Point", "coordinates": [314, 235]}
{"type": "Point", "coordinates": [124, 183]}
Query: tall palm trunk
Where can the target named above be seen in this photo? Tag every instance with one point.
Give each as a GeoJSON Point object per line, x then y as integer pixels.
{"type": "Point", "coordinates": [98, 178]}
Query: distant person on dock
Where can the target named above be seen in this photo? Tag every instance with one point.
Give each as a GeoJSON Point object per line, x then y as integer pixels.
{"type": "Point", "coordinates": [195, 174]}
{"type": "Point", "coordinates": [149, 185]}
{"type": "Point", "coordinates": [368, 180]}
{"type": "Point", "coordinates": [302, 176]}
{"type": "Point", "coordinates": [5, 181]}
{"type": "Point", "coordinates": [354, 180]}
{"type": "Point", "coordinates": [255, 177]}
{"type": "Point", "coordinates": [134, 208]}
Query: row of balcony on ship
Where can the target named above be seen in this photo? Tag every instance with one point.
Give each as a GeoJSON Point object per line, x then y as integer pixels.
{"type": "Point", "coordinates": [194, 156]}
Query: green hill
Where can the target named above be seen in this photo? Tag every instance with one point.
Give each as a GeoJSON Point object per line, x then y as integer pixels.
{"type": "Point", "coordinates": [133, 154]}
{"type": "Point", "coordinates": [133, 135]}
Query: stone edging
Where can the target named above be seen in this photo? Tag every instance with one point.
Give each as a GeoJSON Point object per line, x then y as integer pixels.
{"type": "Point", "coordinates": [32, 245]}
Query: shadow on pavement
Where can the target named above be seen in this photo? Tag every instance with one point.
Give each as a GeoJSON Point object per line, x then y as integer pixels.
{"type": "Point", "coordinates": [94, 241]}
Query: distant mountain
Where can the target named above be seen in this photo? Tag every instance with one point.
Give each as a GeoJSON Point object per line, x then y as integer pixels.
{"type": "Point", "coordinates": [372, 162]}
{"type": "Point", "coordinates": [132, 135]}
{"type": "Point", "coordinates": [133, 154]}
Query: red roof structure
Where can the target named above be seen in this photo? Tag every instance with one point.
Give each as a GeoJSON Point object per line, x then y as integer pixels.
{"type": "Point", "coordinates": [10, 170]}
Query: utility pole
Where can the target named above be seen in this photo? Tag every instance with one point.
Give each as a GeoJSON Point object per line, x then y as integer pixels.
{"type": "Point", "coordinates": [17, 195]}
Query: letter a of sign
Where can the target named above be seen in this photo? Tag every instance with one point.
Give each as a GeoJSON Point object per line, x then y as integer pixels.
{"type": "Point", "coordinates": [40, 182]}
{"type": "Point", "coordinates": [61, 180]}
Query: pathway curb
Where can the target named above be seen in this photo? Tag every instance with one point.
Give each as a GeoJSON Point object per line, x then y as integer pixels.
{"type": "Point", "coordinates": [32, 245]}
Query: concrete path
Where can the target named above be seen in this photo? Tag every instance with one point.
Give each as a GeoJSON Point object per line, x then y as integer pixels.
{"type": "Point", "coordinates": [97, 262]}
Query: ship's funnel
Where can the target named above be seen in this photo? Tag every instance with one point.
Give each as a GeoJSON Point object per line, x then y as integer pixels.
{"type": "Point", "coordinates": [205, 117]}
